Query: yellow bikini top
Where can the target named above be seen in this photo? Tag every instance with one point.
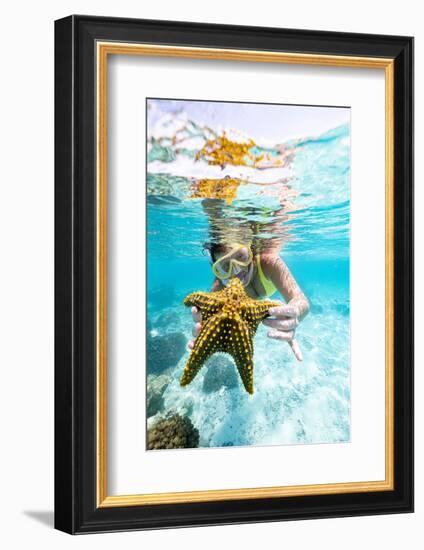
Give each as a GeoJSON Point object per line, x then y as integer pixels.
{"type": "Point", "coordinates": [268, 285]}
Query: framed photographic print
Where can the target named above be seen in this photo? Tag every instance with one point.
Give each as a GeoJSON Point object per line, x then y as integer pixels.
{"type": "Point", "coordinates": [234, 274]}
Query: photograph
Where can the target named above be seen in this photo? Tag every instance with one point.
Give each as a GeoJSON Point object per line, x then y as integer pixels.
{"type": "Point", "coordinates": [248, 274]}
{"type": "Point", "coordinates": [234, 272]}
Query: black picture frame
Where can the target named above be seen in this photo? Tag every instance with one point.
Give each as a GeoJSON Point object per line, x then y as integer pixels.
{"type": "Point", "coordinates": [76, 509]}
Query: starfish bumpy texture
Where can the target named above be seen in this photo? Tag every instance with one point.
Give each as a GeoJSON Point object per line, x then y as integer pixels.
{"type": "Point", "coordinates": [229, 322]}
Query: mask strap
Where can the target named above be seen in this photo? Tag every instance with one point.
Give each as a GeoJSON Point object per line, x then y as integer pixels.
{"type": "Point", "coordinates": [208, 253]}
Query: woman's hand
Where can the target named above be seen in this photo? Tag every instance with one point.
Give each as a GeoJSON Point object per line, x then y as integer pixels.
{"type": "Point", "coordinates": [283, 323]}
{"type": "Point", "coordinates": [197, 318]}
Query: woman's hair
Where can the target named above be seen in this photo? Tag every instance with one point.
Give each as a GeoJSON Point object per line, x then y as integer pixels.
{"type": "Point", "coordinates": [214, 248]}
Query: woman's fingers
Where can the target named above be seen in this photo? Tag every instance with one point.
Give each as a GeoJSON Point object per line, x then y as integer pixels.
{"type": "Point", "coordinates": [196, 329]}
{"type": "Point", "coordinates": [284, 311]}
{"type": "Point", "coordinates": [197, 316]}
{"type": "Point", "coordinates": [296, 349]}
{"type": "Point", "coordinates": [287, 336]}
{"type": "Point", "coordinates": [278, 324]}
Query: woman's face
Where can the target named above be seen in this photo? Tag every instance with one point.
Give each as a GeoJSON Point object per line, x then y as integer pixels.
{"type": "Point", "coordinates": [243, 255]}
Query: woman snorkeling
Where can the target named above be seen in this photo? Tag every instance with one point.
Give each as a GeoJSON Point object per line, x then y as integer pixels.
{"type": "Point", "coordinates": [262, 274]}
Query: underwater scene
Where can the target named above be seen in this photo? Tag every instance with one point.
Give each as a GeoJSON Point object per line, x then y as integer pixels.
{"type": "Point", "coordinates": [248, 320]}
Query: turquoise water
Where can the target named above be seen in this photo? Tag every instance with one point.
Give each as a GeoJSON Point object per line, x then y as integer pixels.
{"type": "Point", "coordinates": [304, 206]}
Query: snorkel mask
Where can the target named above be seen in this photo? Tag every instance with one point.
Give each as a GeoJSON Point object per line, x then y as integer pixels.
{"type": "Point", "coordinates": [229, 266]}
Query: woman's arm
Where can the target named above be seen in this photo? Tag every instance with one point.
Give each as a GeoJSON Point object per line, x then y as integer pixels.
{"type": "Point", "coordinates": [217, 285]}
{"type": "Point", "coordinates": [284, 320]}
{"type": "Point", "coordinates": [277, 271]}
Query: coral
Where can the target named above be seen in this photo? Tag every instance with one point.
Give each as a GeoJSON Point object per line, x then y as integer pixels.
{"type": "Point", "coordinates": [221, 373]}
{"type": "Point", "coordinates": [164, 351]}
{"type": "Point", "coordinates": [229, 322]}
{"type": "Point", "coordinates": [173, 432]}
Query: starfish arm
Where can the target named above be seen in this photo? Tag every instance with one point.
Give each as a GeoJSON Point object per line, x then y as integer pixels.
{"type": "Point", "coordinates": [242, 353]}
{"type": "Point", "coordinates": [235, 338]}
{"type": "Point", "coordinates": [206, 302]}
{"type": "Point", "coordinates": [245, 369]}
{"type": "Point", "coordinates": [272, 303]}
{"type": "Point", "coordinates": [204, 346]}
{"type": "Point", "coordinates": [257, 311]}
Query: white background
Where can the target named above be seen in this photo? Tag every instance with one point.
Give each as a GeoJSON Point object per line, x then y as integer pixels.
{"type": "Point", "coordinates": [131, 79]}
{"type": "Point", "coordinates": [26, 289]}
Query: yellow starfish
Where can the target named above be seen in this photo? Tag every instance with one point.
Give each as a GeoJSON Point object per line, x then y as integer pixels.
{"type": "Point", "coordinates": [229, 322]}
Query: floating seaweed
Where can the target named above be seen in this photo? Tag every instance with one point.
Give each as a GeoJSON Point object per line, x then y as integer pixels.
{"type": "Point", "coordinates": [223, 188]}
{"type": "Point", "coordinates": [222, 151]}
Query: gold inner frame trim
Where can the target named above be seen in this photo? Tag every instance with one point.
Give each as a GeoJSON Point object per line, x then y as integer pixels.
{"type": "Point", "coordinates": [103, 50]}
